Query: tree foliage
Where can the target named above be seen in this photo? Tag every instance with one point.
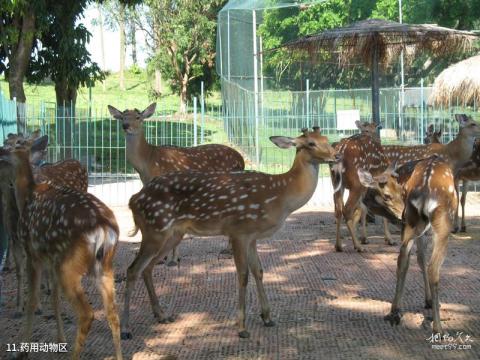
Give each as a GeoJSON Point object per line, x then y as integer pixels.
{"type": "Point", "coordinates": [182, 37]}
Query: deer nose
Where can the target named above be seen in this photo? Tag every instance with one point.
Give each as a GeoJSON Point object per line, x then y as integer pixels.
{"type": "Point", "coordinates": [125, 126]}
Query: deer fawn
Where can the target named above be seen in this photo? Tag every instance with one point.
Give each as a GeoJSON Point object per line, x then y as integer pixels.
{"type": "Point", "coordinates": [358, 151]}
{"type": "Point", "coordinates": [73, 233]}
{"type": "Point", "coordinates": [429, 201]}
{"type": "Point", "coordinates": [246, 206]}
{"type": "Point", "coordinates": [150, 160]}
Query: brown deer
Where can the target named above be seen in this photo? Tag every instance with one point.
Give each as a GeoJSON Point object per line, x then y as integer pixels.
{"type": "Point", "coordinates": [71, 232]}
{"type": "Point", "coordinates": [358, 151]}
{"type": "Point", "coordinates": [432, 136]}
{"type": "Point", "coordinates": [150, 160]}
{"type": "Point", "coordinates": [429, 201]}
{"type": "Point", "coordinates": [246, 206]}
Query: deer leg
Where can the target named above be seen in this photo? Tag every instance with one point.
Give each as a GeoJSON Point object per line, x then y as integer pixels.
{"type": "Point", "coordinates": [440, 240]}
{"type": "Point", "coordinates": [388, 235]}
{"type": "Point", "coordinates": [463, 227]}
{"type": "Point", "coordinates": [148, 251]}
{"type": "Point", "coordinates": [34, 272]}
{"type": "Point", "coordinates": [107, 290]}
{"type": "Point", "coordinates": [257, 272]}
{"type": "Point", "coordinates": [338, 202]}
{"type": "Point", "coordinates": [240, 257]}
{"type": "Point", "coordinates": [402, 266]}
{"type": "Point", "coordinates": [56, 308]}
{"type": "Point", "coordinates": [72, 287]}
{"type": "Point", "coordinates": [19, 256]}
{"type": "Point", "coordinates": [352, 213]}
{"type": "Point", "coordinates": [422, 245]}
{"type": "Point", "coordinates": [174, 258]}
{"type": "Point", "coordinates": [159, 314]}
{"type": "Point", "coordinates": [455, 222]}
{"type": "Point", "coordinates": [228, 250]}
{"type": "Point", "coordinates": [363, 219]}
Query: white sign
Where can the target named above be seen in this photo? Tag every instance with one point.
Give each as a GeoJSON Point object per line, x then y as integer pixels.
{"type": "Point", "coordinates": [346, 119]}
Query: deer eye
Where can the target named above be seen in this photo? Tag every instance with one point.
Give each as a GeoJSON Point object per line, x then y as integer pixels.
{"type": "Point", "coordinates": [311, 144]}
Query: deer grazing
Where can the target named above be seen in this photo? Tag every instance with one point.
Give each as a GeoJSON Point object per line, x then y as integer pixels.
{"type": "Point", "coordinates": [430, 201]}
{"type": "Point", "coordinates": [358, 151]}
{"type": "Point", "coordinates": [70, 232]}
{"type": "Point", "coordinates": [245, 206]}
{"type": "Point", "coordinates": [151, 161]}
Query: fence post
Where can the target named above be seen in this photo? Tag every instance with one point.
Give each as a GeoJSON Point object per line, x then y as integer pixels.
{"type": "Point", "coordinates": [202, 111]}
{"type": "Point", "coordinates": [195, 121]}
{"type": "Point", "coordinates": [421, 108]}
{"type": "Point", "coordinates": [308, 102]}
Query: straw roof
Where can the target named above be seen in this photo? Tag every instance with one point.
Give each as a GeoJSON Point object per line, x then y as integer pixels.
{"type": "Point", "coordinates": [459, 82]}
{"type": "Point", "coordinates": [359, 40]}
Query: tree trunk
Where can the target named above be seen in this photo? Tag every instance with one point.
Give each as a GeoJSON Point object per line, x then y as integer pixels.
{"type": "Point", "coordinates": [158, 82]}
{"type": "Point", "coordinates": [121, 26]}
{"type": "Point", "coordinates": [102, 44]}
{"type": "Point", "coordinates": [133, 42]}
{"type": "Point", "coordinates": [66, 100]}
{"type": "Point", "coordinates": [183, 98]}
{"type": "Point", "coordinates": [19, 61]}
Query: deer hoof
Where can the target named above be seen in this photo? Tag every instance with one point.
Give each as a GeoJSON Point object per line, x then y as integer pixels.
{"type": "Point", "coordinates": [339, 248]}
{"type": "Point", "coordinates": [360, 249]}
{"type": "Point", "coordinates": [126, 335]}
{"type": "Point", "coordinates": [394, 317]}
{"type": "Point", "coordinates": [226, 251]}
{"type": "Point", "coordinates": [167, 320]}
{"type": "Point", "coordinates": [455, 230]}
{"type": "Point", "coordinates": [463, 229]}
{"type": "Point", "coordinates": [244, 334]}
{"type": "Point", "coordinates": [172, 263]}
{"type": "Point", "coordinates": [364, 240]}
{"type": "Point", "coordinates": [428, 304]}
{"type": "Point", "coordinates": [267, 321]}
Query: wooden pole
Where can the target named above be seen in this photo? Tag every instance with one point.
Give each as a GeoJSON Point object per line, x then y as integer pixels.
{"type": "Point", "coordinates": [375, 86]}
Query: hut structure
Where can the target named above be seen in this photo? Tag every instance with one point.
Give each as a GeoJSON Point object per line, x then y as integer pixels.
{"type": "Point", "coordinates": [458, 84]}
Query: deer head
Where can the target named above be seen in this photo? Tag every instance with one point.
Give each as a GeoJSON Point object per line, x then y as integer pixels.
{"type": "Point", "coordinates": [367, 128]}
{"type": "Point", "coordinates": [132, 120]}
{"type": "Point", "coordinates": [432, 136]}
{"type": "Point", "coordinates": [37, 154]}
{"type": "Point", "coordinates": [384, 191]}
{"type": "Point", "coordinates": [313, 146]}
{"type": "Point", "coordinates": [467, 125]}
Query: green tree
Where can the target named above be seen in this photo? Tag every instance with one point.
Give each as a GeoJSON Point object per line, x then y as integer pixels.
{"type": "Point", "coordinates": [182, 36]}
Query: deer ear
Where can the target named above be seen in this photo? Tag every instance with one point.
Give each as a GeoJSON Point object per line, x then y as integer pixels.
{"type": "Point", "coordinates": [149, 110]}
{"type": "Point", "coordinates": [462, 119]}
{"type": "Point", "coordinates": [430, 128]}
{"type": "Point", "coordinates": [38, 150]}
{"type": "Point", "coordinates": [358, 124]}
{"type": "Point", "coordinates": [366, 179]}
{"type": "Point", "coordinates": [439, 133]}
{"type": "Point", "coordinates": [283, 142]}
{"type": "Point", "coordinates": [117, 114]}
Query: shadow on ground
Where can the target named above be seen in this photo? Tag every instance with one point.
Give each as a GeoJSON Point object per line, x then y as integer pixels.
{"type": "Point", "coordinates": [326, 305]}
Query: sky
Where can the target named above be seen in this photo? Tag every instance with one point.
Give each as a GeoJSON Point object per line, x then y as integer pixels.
{"type": "Point", "coordinates": [112, 44]}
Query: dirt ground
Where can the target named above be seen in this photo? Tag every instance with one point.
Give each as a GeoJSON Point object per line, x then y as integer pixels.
{"type": "Point", "coordinates": [326, 305]}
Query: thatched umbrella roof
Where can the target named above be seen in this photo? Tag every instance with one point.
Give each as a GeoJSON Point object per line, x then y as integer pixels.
{"type": "Point", "coordinates": [460, 81]}
{"type": "Point", "coordinates": [377, 41]}
{"type": "Point", "coordinates": [361, 39]}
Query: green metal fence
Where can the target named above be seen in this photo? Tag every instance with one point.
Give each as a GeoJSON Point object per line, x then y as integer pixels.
{"type": "Point", "coordinates": [8, 116]}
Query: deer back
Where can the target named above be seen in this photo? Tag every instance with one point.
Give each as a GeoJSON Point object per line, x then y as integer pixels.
{"type": "Point", "coordinates": [69, 173]}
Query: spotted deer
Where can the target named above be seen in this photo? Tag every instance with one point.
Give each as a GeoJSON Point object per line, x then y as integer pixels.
{"type": "Point", "coordinates": [68, 173]}
{"type": "Point", "coordinates": [245, 206]}
{"type": "Point", "coordinates": [150, 160]}
{"type": "Point", "coordinates": [358, 151]}
{"type": "Point", "coordinates": [72, 233]}
{"type": "Point", "coordinates": [427, 198]}
{"type": "Point", "coordinates": [432, 136]}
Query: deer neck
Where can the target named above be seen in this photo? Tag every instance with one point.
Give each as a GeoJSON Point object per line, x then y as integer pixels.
{"type": "Point", "coordinates": [301, 181]}
{"type": "Point", "coordinates": [24, 184]}
{"type": "Point", "coordinates": [460, 149]}
{"type": "Point", "coordinates": [139, 154]}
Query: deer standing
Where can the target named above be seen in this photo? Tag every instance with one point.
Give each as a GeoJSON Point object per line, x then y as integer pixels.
{"type": "Point", "coordinates": [68, 173]}
{"type": "Point", "coordinates": [426, 194]}
{"type": "Point", "coordinates": [71, 232]}
{"type": "Point", "coordinates": [246, 206]}
{"type": "Point", "coordinates": [150, 160]}
{"type": "Point", "coordinates": [358, 151]}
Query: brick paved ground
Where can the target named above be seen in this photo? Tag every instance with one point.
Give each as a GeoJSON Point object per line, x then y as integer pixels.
{"type": "Point", "coordinates": [326, 305]}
